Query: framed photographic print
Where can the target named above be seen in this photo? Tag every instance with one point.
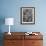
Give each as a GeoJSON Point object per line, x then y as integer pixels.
{"type": "Point", "coordinates": [27, 15]}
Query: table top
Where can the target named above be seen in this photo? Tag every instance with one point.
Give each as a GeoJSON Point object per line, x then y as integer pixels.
{"type": "Point", "coordinates": [22, 35]}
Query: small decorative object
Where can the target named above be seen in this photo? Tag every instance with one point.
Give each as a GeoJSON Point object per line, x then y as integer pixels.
{"type": "Point", "coordinates": [9, 21]}
{"type": "Point", "coordinates": [30, 33]}
{"type": "Point", "coordinates": [27, 15]}
{"type": "Point", "coordinates": [26, 34]}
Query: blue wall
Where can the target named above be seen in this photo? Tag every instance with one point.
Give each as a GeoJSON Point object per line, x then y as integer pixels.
{"type": "Point", "coordinates": [11, 8]}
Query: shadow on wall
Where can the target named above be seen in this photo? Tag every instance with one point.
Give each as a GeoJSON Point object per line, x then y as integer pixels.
{"type": "Point", "coordinates": [2, 21]}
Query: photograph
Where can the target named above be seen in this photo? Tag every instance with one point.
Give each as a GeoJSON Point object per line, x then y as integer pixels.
{"type": "Point", "coordinates": [27, 15]}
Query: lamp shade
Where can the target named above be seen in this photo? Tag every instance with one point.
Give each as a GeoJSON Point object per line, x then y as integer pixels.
{"type": "Point", "coordinates": [9, 21]}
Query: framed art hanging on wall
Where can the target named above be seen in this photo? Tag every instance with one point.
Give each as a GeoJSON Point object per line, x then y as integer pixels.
{"type": "Point", "coordinates": [27, 15]}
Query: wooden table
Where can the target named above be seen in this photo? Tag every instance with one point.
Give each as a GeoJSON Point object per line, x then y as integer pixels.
{"type": "Point", "coordinates": [20, 39]}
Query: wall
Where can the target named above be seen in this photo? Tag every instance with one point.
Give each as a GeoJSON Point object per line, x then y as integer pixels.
{"type": "Point", "coordinates": [11, 8]}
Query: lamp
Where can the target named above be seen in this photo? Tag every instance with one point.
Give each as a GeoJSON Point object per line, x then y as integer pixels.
{"type": "Point", "coordinates": [9, 21]}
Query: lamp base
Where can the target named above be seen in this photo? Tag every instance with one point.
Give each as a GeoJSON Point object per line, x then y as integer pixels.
{"type": "Point", "coordinates": [9, 33]}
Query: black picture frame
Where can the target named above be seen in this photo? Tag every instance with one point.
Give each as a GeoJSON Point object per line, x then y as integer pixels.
{"type": "Point", "coordinates": [27, 15]}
